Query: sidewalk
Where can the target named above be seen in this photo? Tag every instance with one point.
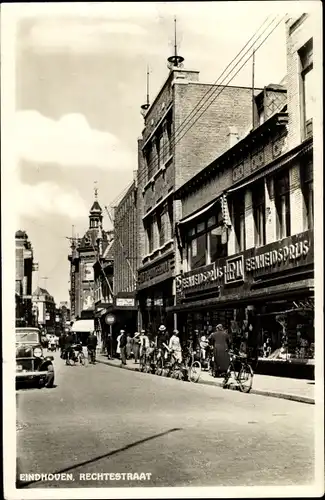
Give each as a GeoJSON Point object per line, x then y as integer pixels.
{"type": "Point", "coordinates": [265, 385]}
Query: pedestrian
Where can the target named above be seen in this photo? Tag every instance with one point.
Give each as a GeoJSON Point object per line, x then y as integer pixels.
{"type": "Point", "coordinates": [91, 345]}
{"type": "Point", "coordinates": [128, 346]}
{"type": "Point", "coordinates": [62, 342]}
{"type": "Point", "coordinates": [136, 347]}
{"type": "Point", "coordinates": [144, 343]}
{"type": "Point", "coordinates": [162, 340]}
{"type": "Point", "coordinates": [118, 348]}
{"type": "Point", "coordinates": [69, 341]}
{"type": "Point", "coordinates": [175, 346]}
{"type": "Point", "coordinates": [220, 342]}
{"type": "Point", "coordinates": [122, 346]}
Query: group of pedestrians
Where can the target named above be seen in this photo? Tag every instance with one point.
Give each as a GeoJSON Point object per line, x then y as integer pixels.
{"type": "Point", "coordinates": [68, 342]}
{"type": "Point", "coordinates": [218, 340]}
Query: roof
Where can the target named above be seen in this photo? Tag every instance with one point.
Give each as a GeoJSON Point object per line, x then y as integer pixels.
{"type": "Point", "coordinates": [96, 207]}
{"type": "Point", "coordinates": [41, 291]}
{"type": "Point", "coordinates": [21, 234]}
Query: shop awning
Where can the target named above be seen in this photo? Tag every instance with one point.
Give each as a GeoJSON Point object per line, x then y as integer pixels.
{"type": "Point", "coordinates": [197, 214]}
{"type": "Point", "coordinates": [83, 325]}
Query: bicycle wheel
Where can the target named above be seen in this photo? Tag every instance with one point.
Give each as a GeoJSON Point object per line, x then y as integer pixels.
{"type": "Point", "coordinates": [226, 378]}
{"type": "Point", "coordinates": [245, 378]}
{"type": "Point", "coordinates": [159, 367]}
{"type": "Point", "coordinates": [195, 371]}
{"type": "Point", "coordinates": [71, 360]}
{"type": "Point", "coordinates": [142, 363]}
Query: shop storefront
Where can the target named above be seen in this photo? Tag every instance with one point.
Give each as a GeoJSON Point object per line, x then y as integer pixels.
{"type": "Point", "coordinates": [155, 294]}
{"type": "Point", "coordinates": [121, 314]}
{"type": "Point", "coordinates": [262, 296]}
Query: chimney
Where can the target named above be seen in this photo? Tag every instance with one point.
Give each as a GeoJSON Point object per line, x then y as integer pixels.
{"type": "Point", "coordinates": [233, 136]}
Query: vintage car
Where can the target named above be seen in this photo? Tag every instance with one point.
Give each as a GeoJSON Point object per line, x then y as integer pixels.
{"type": "Point", "coordinates": [31, 364]}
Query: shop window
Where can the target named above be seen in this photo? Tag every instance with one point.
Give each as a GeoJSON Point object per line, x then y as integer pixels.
{"type": "Point", "coordinates": [282, 204]}
{"type": "Point", "coordinates": [149, 234]}
{"type": "Point", "coordinates": [216, 249]}
{"type": "Point", "coordinates": [307, 87]}
{"type": "Point", "coordinates": [307, 185]}
{"type": "Point", "coordinates": [259, 212]}
{"type": "Point", "coordinates": [197, 252]}
{"type": "Point", "coordinates": [239, 222]}
{"type": "Point", "coordinates": [204, 242]}
{"type": "Point", "coordinates": [212, 221]}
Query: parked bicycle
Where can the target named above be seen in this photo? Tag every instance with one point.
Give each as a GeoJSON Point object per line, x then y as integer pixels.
{"type": "Point", "coordinates": [240, 371]}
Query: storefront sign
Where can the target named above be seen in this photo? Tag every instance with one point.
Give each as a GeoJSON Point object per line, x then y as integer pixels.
{"type": "Point", "coordinates": [154, 271]}
{"type": "Point", "coordinates": [124, 302]}
{"type": "Point", "coordinates": [234, 270]}
{"type": "Point", "coordinates": [283, 255]}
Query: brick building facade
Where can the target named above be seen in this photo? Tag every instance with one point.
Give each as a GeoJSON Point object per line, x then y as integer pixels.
{"type": "Point", "coordinates": [126, 262]}
{"type": "Point", "coordinates": [246, 232]}
{"type": "Point", "coordinates": [172, 149]}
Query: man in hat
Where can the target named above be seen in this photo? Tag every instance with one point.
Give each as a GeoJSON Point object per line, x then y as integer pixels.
{"type": "Point", "coordinates": [162, 341]}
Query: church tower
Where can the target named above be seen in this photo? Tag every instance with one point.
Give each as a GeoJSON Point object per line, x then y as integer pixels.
{"type": "Point", "coordinates": [95, 214]}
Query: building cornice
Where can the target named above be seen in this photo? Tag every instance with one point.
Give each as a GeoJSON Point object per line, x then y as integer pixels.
{"type": "Point", "coordinates": [254, 136]}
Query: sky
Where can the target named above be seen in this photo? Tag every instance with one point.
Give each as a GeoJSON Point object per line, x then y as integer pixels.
{"type": "Point", "coordinates": [80, 79]}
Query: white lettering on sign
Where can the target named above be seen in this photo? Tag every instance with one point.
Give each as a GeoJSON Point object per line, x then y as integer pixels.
{"type": "Point", "coordinates": [124, 302]}
{"type": "Point", "coordinates": [234, 269]}
{"type": "Point", "coordinates": [279, 256]}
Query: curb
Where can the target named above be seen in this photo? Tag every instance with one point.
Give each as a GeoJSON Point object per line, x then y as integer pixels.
{"type": "Point", "coordinates": [259, 392]}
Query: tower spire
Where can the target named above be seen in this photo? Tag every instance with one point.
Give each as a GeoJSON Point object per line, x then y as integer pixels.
{"type": "Point", "coordinates": [95, 190]}
{"type": "Point", "coordinates": [146, 106]}
{"type": "Point", "coordinates": [175, 61]}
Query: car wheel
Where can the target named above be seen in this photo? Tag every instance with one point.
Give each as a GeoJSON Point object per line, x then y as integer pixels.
{"type": "Point", "coordinates": [50, 377]}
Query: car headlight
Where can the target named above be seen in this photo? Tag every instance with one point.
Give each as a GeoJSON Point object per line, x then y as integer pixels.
{"type": "Point", "coordinates": [38, 352]}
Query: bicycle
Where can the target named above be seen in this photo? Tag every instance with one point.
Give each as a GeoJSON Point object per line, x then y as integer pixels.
{"type": "Point", "coordinates": [193, 366]}
{"type": "Point", "coordinates": [240, 371]}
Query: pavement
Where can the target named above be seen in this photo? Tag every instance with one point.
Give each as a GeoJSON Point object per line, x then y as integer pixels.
{"type": "Point", "coordinates": [299, 390]}
{"type": "Point", "coordinates": [103, 427]}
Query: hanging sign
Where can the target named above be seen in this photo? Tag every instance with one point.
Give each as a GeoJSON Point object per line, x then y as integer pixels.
{"type": "Point", "coordinates": [109, 319]}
